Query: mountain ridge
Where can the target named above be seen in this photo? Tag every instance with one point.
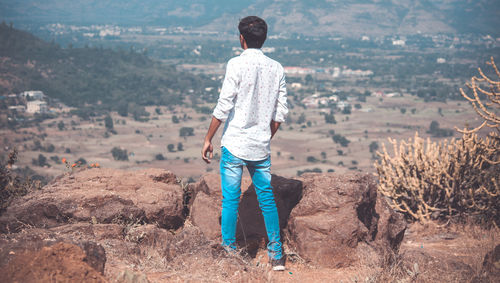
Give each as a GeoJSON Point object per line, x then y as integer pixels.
{"type": "Point", "coordinates": [317, 17]}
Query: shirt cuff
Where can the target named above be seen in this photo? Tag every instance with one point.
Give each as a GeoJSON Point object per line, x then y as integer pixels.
{"type": "Point", "coordinates": [219, 114]}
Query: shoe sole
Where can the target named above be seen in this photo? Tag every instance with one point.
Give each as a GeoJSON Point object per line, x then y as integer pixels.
{"type": "Point", "coordinates": [279, 268]}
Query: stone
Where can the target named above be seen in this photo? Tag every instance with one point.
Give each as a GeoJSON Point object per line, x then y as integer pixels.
{"type": "Point", "coordinates": [336, 214]}
{"type": "Point", "coordinates": [101, 196]}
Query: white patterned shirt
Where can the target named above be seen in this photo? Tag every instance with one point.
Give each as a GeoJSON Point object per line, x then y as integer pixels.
{"type": "Point", "coordinates": [253, 93]}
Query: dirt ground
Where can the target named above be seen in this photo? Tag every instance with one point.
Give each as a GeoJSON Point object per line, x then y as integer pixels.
{"type": "Point", "coordinates": [291, 148]}
{"type": "Point", "coordinates": [429, 253]}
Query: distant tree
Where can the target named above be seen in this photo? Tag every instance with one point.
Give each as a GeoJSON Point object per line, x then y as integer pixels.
{"type": "Point", "coordinates": [186, 132]}
{"type": "Point", "coordinates": [434, 126]}
{"type": "Point", "coordinates": [180, 147]}
{"type": "Point", "coordinates": [413, 110]}
{"type": "Point", "coordinates": [119, 154]}
{"type": "Point", "coordinates": [373, 146]}
{"type": "Point", "coordinates": [302, 118]}
{"type": "Point", "coordinates": [171, 147]}
{"type": "Point", "coordinates": [347, 110]}
{"type": "Point", "coordinates": [357, 105]}
{"type": "Point", "coordinates": [323, 155]}
{"type": "Point", "coordinates": [40, 161]}
{"type": "Point", "coordinates": [50, 148]}
{"type": "Point", "coordinates": [343, 141]}
{"type": "Point", "coordinates": [159, 156]}
{"type": "Point", "coordinates": [312, 159]}
{"type": "Point", "coordinates": [403, 110]}
{"type": "Point", "coordinates": [123, 109]}
{"type": "Point", "coordinates": [308, 79]}
{"type": "Point", "coordinates": [158, 110]}
{"type": "Point", "coordinates": [108, 122]}
{"type": "Point", "coordinates": [330, 119]}
{"type": "Point", "coordinates": [61, 125]}
{"type": "Point", "coordinates": [175, 119]}
{"type": "Point", "coordinates": [81, 161]}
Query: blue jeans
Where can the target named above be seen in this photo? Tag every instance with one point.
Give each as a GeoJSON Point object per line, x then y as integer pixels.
{"type": "Point", "coordinates": [231, 169]}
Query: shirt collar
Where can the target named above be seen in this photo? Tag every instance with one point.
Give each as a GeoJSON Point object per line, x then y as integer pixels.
{"type": "Point", "coordinates": [252, 51]}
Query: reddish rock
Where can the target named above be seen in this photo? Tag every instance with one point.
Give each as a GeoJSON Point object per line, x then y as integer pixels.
{"type": "Point", "coordinates": [101, 196]}
{"type": "Point", "coordinates": [206, 208]}
{"type": "Point", "coordinates": [335, 214]}
{"type": "Point", "coordinates": [62, 262]}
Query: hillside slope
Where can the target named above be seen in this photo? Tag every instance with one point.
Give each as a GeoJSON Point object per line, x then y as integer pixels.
{"type": "Point", "coordinates": [88, 75]}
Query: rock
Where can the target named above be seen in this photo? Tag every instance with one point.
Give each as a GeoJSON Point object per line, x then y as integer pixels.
{"type": "Point", "coordinates": [101, 196]}
{"type": "Point", "coordinates": [62, 262]}
{"type": "Point", "coordinates": [490, 272]}
{"type": "Point", "coordinates": [491, 263]}
{"type": "Point", "coordinates": [337, 213]}
{"type": "Point", "coordinates": [95, 256]}
{"type": "Point", "coordinates": [205, 209]}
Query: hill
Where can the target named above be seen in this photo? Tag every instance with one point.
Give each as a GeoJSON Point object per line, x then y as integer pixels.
{"type": "Point", "coordinates": [319, 17]}
{"type": "Point", "coordinates": [78, 76]}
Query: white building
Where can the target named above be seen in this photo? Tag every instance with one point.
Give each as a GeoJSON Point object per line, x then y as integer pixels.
{"type": "Point", "coordinates": [33, 94]}
{"type": "Point", "coordinates": [36, 106]}
{"type": "Point", "coordinates": [18, 108]}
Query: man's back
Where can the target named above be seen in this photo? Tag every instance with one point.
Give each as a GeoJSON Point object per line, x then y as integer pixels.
{"type": "Point", "coordinates": [253, 94]}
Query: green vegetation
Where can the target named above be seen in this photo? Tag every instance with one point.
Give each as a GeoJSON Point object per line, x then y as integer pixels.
{"type": "Point", "coordinates": [78, 76]}
{"type": "Point", "coordinates": [119, 154]}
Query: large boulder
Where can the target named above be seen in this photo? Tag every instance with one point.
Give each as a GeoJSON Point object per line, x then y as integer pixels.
{"type": "Point", "coordinates": [101, 196]}
{"type": "Point", "coordinates": [205, 208]}
{"type": "Point", "coordinates": [336, 223]}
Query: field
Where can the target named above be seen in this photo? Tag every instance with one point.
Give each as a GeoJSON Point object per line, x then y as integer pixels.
{"type": "Point", "coordinates": [296, 147]}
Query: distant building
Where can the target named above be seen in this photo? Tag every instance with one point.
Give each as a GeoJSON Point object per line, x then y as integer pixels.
{"type": "Point", "coordinates": [36, 106]}
{"type": "Point", "coordinates": [18, 108]}
{"type": "Point", "coordinates": [399, 42]}
{"type": "Point", "coordinates": [440, 60]}
{"type": "Point", "coordinates": [33, 94]}
{"type": "Point", "coordinates": [342, 105]}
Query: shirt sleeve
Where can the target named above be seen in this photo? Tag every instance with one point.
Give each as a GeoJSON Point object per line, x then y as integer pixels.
{"type": "Point", "coordinates": [228, 93]}
{"type": "Point", "coordinates": [281, 110]}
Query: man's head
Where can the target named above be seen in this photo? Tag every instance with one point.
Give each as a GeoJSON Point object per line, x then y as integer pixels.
{"type": "Point", "coordinates": [254, 31]}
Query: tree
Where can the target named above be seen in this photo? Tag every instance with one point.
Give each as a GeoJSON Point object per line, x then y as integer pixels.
{"type": "Point", "coordinates": [186, 131]}
{"type": "Point", "coordinates": [123, 109]}
{"type": "Point", "coordinates": [330, 119]}
{"type": "Point", "coordinates": [302, 118]}
{"type": "Point", "coordinates": [119, 154]}
{"type": "Point", "coordinates": [180, 147]}
{"type": "Point", "coordinates": [403, 110]}
{"type": "Point", "coordinates": [171, 147]}
{"type": "Point", "coordinates": [373, 146]}
{"type": "Point", "coordinates": [60, 125]}
{"type": "Point", "coordinates": [159, 156]}
{"type": "Point", "coordinates": [108, 122]}
{"type": "Point", "coordinates": [175, 119]}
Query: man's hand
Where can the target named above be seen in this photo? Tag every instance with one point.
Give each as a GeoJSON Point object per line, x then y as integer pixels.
{"type": "Point", "coordinates": [274, 127]}
{"type": "Point", "coordinates": [207, 152]}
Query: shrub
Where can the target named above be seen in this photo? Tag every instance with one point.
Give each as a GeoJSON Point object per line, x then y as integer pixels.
{"type": "Point", "coordinates": [343, 141]}
{"type": "Point", "coordinates": [159, 156]}
{"type": "Point", "coordinates": [12, 185]}
{"type": "Point", "coordinates": [119, 154]}
{"type": "Point", "coordinates": [171, 147]}
{"type": "Point", "coordinates": [312, 159]}
{"type": "Point", "coordinates": [186, 131]}
{"type": "Point", "coordinates": [428, 180]}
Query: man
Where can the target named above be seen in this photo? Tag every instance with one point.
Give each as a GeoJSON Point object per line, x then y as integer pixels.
{"type": "Point", "coordinates": [252, 103]}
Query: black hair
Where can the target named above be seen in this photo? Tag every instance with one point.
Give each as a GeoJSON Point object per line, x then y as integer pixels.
{"type": "Point", "coordinates": [254, 31]}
